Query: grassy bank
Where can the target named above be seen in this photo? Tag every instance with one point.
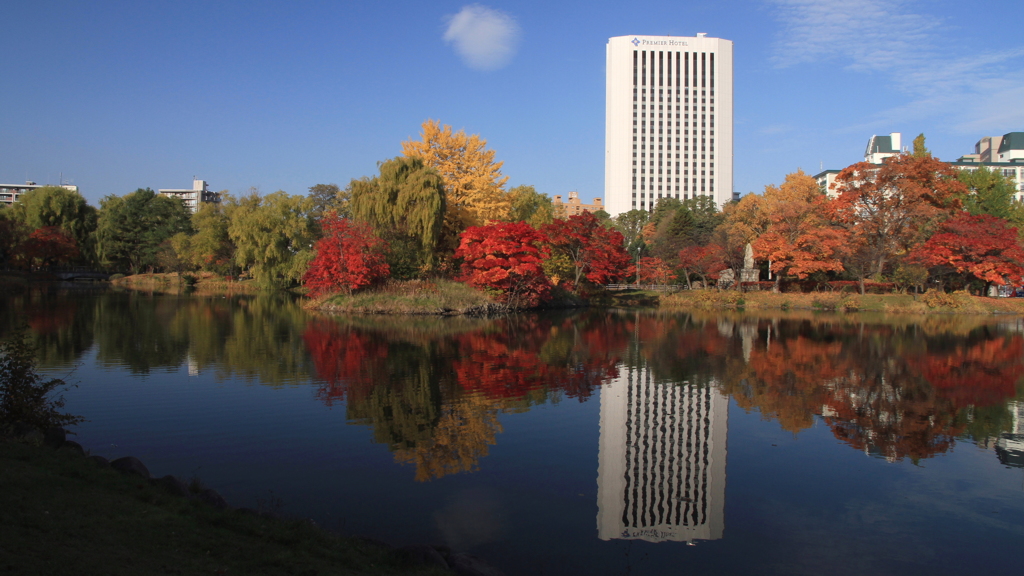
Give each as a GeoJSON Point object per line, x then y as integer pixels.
{"type": "Point", "coordinates": [61, 513]}
{"type": "Point", "coordinates": [412, 297]}
{"type": "Point", "coordinates": [172, 282]}
{"type": "Point", "coordinates": [930, 303]}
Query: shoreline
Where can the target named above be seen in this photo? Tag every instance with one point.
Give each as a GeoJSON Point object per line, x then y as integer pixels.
{"type": "Point", "coordinates": [447, 298]}
{"type": "Point", "coordinates": [69, 512]}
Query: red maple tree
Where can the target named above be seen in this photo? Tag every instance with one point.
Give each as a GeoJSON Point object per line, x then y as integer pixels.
{"type": "Point", "coordinates": [595, 252]}
{"type": "Point", "coordinates": [654, 271]}
{"type": "Point", "coordinates": [983, 246]}
{"type": "Point", "coordinates": [50, 245]}
{"type": "Point", "coordinates": [349, 257]}
{"type": "Point", "coordinates": [704, 261]}
{"type": "Point", "coordinates": [889, 209]}
{"type": "Point", "coordinates": [505, 257]}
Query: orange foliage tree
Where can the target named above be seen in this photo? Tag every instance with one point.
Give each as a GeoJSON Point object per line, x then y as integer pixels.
{"type": "Point", "coordinates": [652, 270]}
{"type": "Point", "coordinates": [349, 257]}
{"type": "Point", "coordinates": [799, 239]}
{"type": "Point", "coordinates": [506, 257]}
{"type": "Point", "coordinates": [891, 208]}
{"type": "Point", "coordinates": [704, 261]}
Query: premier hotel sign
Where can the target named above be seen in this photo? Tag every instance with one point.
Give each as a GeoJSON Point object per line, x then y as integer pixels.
{"type": "Point", "coordinates": [660, 42]}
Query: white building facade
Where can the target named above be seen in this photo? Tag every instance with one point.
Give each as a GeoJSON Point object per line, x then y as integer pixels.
{"type": "Point", "coordinates": [10, 193]}
{"type": "Point", "coordinates": [200, 193]}
{"type": "Point", "coordinates": [668, 120]}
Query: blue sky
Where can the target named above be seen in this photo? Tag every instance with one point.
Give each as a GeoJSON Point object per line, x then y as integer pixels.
{"type": "Point", "coordinates": [285, 95]}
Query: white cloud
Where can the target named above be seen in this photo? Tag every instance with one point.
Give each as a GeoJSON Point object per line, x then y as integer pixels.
{"type": "Point", "coordinates": [485, 38]}
{"type": "Point", "coordinates": [885, 37]}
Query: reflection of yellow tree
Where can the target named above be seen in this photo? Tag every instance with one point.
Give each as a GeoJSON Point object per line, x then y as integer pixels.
{"type": "Point", "coordinates": [460, 439]}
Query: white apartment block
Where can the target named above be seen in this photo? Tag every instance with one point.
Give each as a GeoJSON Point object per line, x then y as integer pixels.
{"type": "Point", "coordinates": [881, 147]}
{"type": "Point", "coordinates": [10, 193]}
{"type": "Point", "coordinates": [668, 120]}
{"type": "Point", "coordinates": [1003, 154]}
{"type": "Point", "coordinates": [199, 193]}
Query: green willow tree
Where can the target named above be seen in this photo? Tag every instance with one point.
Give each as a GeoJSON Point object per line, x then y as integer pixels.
{"type": "Point", "coordinates": [60, 207]}
{"type": "Point", "coordinates": [210, 248]}
{"type": "Point", "coordinates": [273, 236]}
{"type": "Point", "coordinates": [131, 228]}
{"type": "Point", "coordinates": [406, 205]}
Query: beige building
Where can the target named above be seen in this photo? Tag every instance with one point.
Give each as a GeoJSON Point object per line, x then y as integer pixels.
{"type": "Point", "coordinates": [574, 206]}
{"type": "Point", "coordinates": [9, 193]}
{"type": "Point", "coordinates": [199, 193]}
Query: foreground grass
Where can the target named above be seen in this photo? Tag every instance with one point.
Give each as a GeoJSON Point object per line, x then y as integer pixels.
{"type": "Point", "coordinates": [933, 303]}
{"type": "Point", "coordinates": [61, 513]}
{"type": "Point", "coordinates": [411, 297]}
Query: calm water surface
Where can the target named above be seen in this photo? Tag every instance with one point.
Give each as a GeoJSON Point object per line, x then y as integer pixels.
{"type": "Point", "coordinates": [601, 442]}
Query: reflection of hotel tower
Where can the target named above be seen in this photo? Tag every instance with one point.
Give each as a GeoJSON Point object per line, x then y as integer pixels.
{"type": "Point", "coordinates": [661, 472]}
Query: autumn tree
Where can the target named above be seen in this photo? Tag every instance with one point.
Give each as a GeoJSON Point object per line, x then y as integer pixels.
{"type": "Point", "coordinates": [273, 236]}
{"type": "Point", "coordinates": [348, 257]}
{"type": "Point", "coordinates": [704, 261]}
{"type": "Point", "coordinates": [57, 206]}
{"type": "Point", "coordinates": [888, 210]}
{"type": "Point", "coordinates": [131, 228]}
{"type": "Point", "coordinates": [530, 206]}
{"type": "Point", "coordinates": [590, 251]}
{"type": "Point", "coordinates": [920, 151]}
{"type": "Point", "coordinates": [405, 205]}
{"type": "Point", "coordinates": [799, 239]}
{"type": "Point", "coordinates": [50, 246]}
{"type": "Point", "coordinates": [472, 178]}
{"type": "Point", "coordinates": [506, 257]}
{"type": "Point", "coordinates": [743, 222]}
{"type": "Point", "coordinates": [654, 271]}
{"type": "Point", "coordinates": [983, 246]}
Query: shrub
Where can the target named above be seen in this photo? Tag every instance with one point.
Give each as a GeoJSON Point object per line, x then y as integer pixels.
{"type": "Point", "coordinates": [117, 276]}
{"type": "Point", "coordinates": [940, 299]}
{"type": "Point", "coordinates": [25, 398]}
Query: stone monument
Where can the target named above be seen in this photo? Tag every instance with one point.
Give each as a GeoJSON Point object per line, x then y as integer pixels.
{"type": "Point", "coordinates": [749, 273]}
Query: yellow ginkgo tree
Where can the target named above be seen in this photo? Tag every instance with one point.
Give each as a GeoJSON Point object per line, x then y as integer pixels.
{"type": "Point", "coordinates": [472, 178]}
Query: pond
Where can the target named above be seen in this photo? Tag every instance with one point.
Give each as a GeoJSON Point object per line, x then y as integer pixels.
{"type": "Point", "coordinates": [586, 442]}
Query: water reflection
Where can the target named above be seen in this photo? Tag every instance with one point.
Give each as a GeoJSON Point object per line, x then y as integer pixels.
{"type": "Point", "coordinates": [894, 392]}
{"type": "Point", "coordinates": [661, 472]}
{"type": "Point", "coordinates": [434, 396]}
{"type": "Point", "coordinates": [433, 390]}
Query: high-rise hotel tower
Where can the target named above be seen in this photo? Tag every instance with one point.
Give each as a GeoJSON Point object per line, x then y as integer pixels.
{"type": "Point", "coordinates": [668, 120]}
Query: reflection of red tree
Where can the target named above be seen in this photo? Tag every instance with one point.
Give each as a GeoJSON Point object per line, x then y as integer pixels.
{"type": "Point", "coordinates": [887, 401]}
{"type": "Point", "coordinates": [55, 316]}
{"type": "Point", "coordinates": [788, 380]}
{"type": "Point", "coordinates": [507, 364]}
{"type": "Point", "coordinates": [342, 359]}
{"type": "Point", "coordinates": [984, 374]}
